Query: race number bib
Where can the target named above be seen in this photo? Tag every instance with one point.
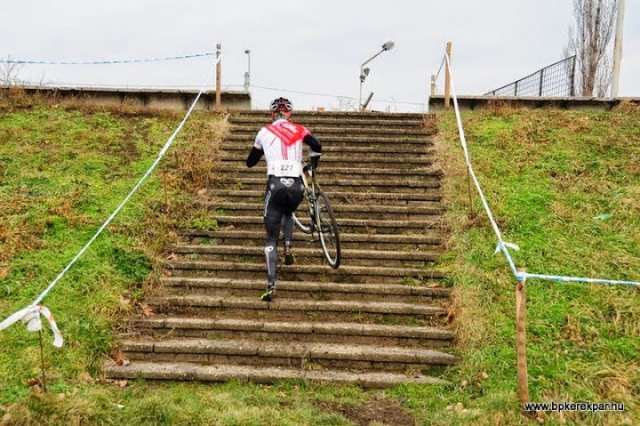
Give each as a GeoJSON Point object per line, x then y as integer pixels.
{"type": "Point", "coordinates": [285, 168]}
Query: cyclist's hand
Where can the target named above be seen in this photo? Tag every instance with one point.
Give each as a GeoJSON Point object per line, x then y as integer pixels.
{"type": "Point", "coordinates": [314, 160]}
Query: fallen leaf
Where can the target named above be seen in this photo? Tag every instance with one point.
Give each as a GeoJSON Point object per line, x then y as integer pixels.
{"type": "Point", "coordinates": [118, 358]}
{"type": "Point", "coordinates": [34, 382]}
{"type": "Point", "coordinates": [147, 311]}
{"type": "Point", "coordinates": [450, 315]}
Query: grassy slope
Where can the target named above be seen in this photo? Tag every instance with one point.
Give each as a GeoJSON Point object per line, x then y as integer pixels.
{"type": "Point", "coordinates": [565, 187]}
{"type": "Point", "coordinates": [59, 180]}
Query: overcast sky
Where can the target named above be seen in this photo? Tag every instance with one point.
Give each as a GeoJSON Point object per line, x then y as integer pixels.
{"type": "Point", "coordinates": [301, 45]}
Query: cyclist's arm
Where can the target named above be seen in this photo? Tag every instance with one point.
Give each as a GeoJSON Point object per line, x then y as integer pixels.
{"type": "Point", "coordinates": [316, 149]}
{"type": "Point", "coordinates": [256, 151]}
{"type": "Point", "coordinates": [254, 156]}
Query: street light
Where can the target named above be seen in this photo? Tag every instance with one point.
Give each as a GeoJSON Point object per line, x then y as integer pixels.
{"type": "Point", "coordinates": [364, 72]}
{"type": "Point", "coordinates": [247, 75]}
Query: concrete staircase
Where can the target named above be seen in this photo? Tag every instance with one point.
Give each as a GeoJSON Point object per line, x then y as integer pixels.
{"type": "Point", "coordinates": [377, 321]}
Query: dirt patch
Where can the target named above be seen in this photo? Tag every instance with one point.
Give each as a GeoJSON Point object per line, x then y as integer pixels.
{"type": "Point", "coordinates": [378, 411]}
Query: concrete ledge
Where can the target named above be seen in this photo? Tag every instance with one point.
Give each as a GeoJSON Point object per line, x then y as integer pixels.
{"type": "Point", "coordinates": [280, 327]}
{"type": "Point", "coordinates": [436, 103]}
{"type": "Point", "coordinates": [316, 287]}
{"type": "Point", "coordinates": [265, 375]}
{"type": "Point", "coordinates": [298, 350]}
{"type": "Point", "coordinates": [309, 269]}
{"type": "Point", "coordinates": [165, 99]}
{"type": "Point", "coordinates": [298, 305]}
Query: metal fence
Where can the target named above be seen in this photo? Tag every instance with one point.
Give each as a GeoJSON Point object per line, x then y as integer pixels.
{"type": "Point", "coordinates": [557, 79]}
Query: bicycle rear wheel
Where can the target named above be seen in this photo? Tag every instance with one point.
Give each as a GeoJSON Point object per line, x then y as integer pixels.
{"type": "Point", "coordinates": [328, 230]}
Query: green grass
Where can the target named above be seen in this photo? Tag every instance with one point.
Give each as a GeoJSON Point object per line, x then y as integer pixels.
{"type": "Point", "coordinates": [565, 186]}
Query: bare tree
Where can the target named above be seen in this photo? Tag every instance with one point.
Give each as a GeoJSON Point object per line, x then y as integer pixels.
{"type": "Point", "coordinates": [9, 72]}
{"type": "Point", "coordinates": [589, 39]}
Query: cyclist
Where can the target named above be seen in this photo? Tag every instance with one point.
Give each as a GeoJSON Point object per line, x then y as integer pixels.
{"type": "Point", "coordinates": [281, 144]}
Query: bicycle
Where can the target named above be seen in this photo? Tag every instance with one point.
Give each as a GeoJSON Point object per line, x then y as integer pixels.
{"type": "Point", "coordinates": [321, 218]}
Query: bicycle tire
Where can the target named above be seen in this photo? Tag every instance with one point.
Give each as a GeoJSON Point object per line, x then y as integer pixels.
{"type": "Point", "coordinates": [307, 229]}
{"type": "Point", "coordinates": [302, 227]}
{"type": "Point", "coordinates": [328, 230]}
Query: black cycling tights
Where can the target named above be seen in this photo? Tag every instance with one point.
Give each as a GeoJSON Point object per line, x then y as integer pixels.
{"type": "Point", "coordinates": [282, 199]}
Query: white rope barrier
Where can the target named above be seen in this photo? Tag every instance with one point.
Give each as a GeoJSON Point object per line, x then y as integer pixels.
{"type": "Point", "coordinates": [502, 245]}
{"type": "Point", "coordinates": [105, 62]}
{"type": "Point", "coordinates": [31, 314]}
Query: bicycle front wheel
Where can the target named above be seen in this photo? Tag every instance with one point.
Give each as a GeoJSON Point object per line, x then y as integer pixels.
{"type": "Point", "coordinates": [328, 230]}
{"type": "Point", "coordinates": [304, 206]}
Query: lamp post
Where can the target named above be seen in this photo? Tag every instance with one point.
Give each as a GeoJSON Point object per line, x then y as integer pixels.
{"type": "Point", "coordinates": [247, 75]}
{"type": "Point", "coordinates": [364, 72]}
{"type": "Point", "coordinates": [617, 50]}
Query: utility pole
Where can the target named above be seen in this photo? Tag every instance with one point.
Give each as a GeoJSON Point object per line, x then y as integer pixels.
{"type": "Point", "coordinates": [247, 75]}
{"type": "Point", "coordinates": [617, 50]}
{"type": "Point", "coordinates": [218, 77]}
{"type": "Point", "coordinates": [447, 79]}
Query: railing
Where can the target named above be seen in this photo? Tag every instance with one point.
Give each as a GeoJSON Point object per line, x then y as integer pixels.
{"type": "Point", "coordinates": [557, 79]}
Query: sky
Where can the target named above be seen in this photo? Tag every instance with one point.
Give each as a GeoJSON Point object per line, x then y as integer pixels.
{"type": "Point", "coordinates": [301, 46]}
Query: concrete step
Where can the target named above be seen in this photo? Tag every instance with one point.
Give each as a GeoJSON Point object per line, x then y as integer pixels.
{"type": "Point", "coordinates": [311, 122]}
{"type": "Point", "coordinates": [284, 309]}
{"type": "Point", "coordinates": [323, 130]}
{"type": "Point", "coordinates": [300, 115]}
{"type": "Point", "coordinates": [431, 210]}
{"type": "Point", "coordinates": [425, 241]}
{"type": "Point", "coordinates": [370, 161]}
{"type": "Point", "coordinates": [262, 375]}
{"type": "Point", "coordinates": [348, 140]}
{"type": "Point", "coordinates": [388, 184]}
{"type": "Point", "coordinates": [307, 290]}
{"type": "Point", "coordinates": [335, 197]}
{"type": "Point", "coordinates": [407, 150]}
{"type": "Point", "coordinates": [306, 255]}
{"type": "Point", "coordinates": [298, 354]}
{"type": "Point", "coordinates": [370, 173]}
{"type": "Point", "coordinates": [367, 226]}
{"type": "Point", "coordinates": [283, 331]}
{"type": "Point", "coordinates": [322, 273]}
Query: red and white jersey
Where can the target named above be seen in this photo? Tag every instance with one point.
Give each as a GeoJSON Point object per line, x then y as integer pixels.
{"type": "Point", "coordinates": [281, 142]}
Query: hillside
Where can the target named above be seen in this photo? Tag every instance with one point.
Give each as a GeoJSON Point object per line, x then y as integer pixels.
{"type": "Point", "coordinates": [565, 187]}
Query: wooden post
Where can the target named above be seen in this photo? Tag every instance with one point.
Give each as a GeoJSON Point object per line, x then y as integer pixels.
{"type": "Point", "coordinates": [218, 77]}
{"type": "Point", "coordinates": [42, 365]}
{"type": "Point", "coordinates": [447, 80]}
{"type": "Point", "coordinates": [521, 342]}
